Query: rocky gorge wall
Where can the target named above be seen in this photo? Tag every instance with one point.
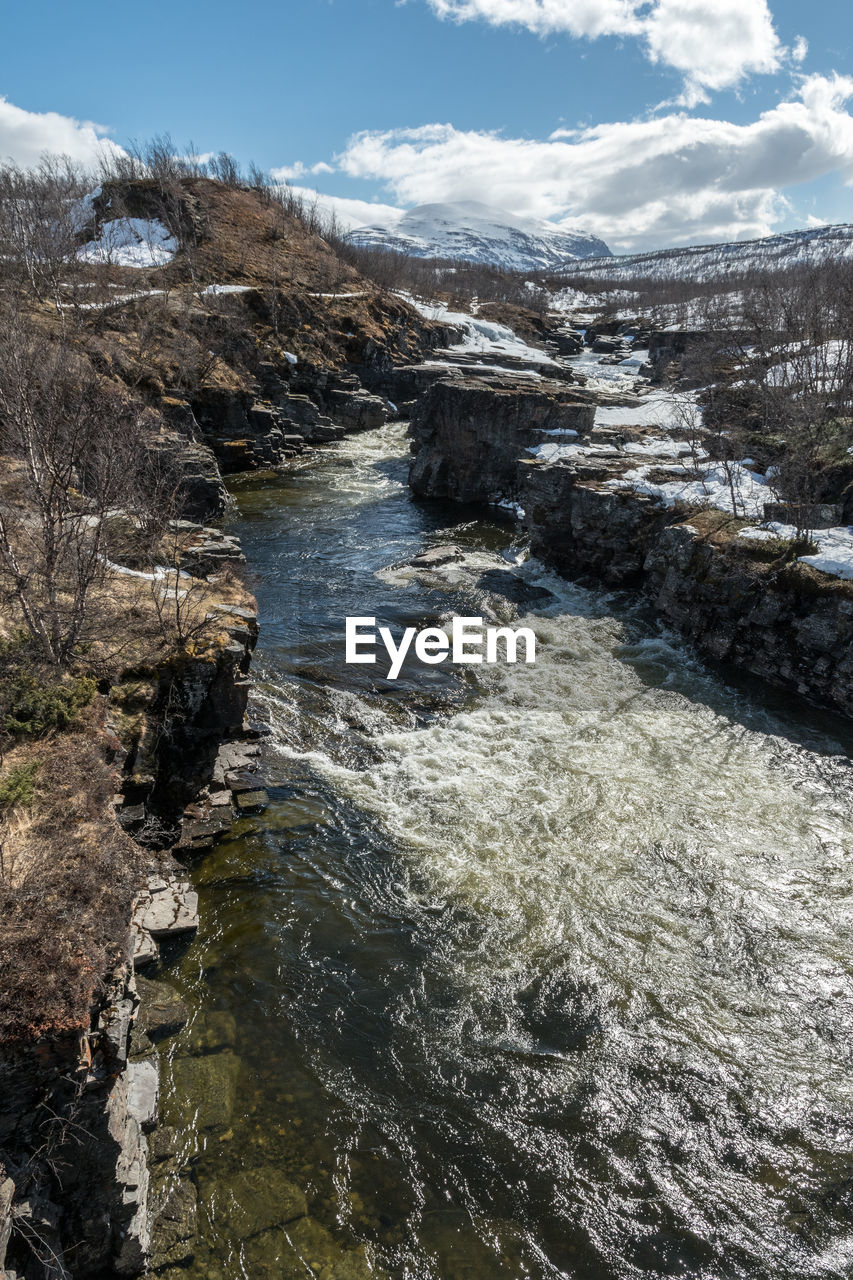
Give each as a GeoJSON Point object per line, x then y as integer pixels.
{"type": "Point", "coordinates": [84, 1191]}
{"type": "Point", "coordinates": [468, 433]}
{"type": "Point", "coordinates": [766, 614]}
{"type": "Point", "coordinates": [781, 621]}
{"type": "Point", "coordinates": [89, 1182]}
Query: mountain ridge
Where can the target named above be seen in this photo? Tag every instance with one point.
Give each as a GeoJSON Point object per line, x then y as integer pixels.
{"type": "Point", "coordinates": [784, 250]}
{"type": "Point", "coordinates": [475, 232]}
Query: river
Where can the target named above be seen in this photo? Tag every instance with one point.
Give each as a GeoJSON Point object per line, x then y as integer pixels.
{"type": "Point", "coordinates": [525, 971]}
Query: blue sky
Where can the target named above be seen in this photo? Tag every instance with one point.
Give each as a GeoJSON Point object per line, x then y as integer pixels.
{"type": "Point", "coordinates": [653, 123]}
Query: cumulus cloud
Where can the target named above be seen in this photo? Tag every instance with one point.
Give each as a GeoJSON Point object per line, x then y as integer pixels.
{"type": "Point", "coordinates": [713, 43]}
{"type": "Point", "coordinates": [349, 213]}
{"type": "Point", "coordinates": [25, 136]}
{"type": "Point", "coordinates": [545, 17]}
{"type": "Point", "coordinates": [673, 179]}
{"type": "Point", "coordinates": [286, 172]}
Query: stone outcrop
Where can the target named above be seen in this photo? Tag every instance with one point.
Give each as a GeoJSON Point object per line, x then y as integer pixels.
{"type": "Point", "coordinates": [167, 907]}
{"type": "Point", "coordinates": [244, 433]}
{"type": "Point", "coordinates": [792, 626]}
{"type": "Point", "coordinates": [783, 622]}
{"type": "Point", "coordinates": [93, 1098]}
{"type": "Point", "coordinates": [468, 435]}
{"type": "Point", "coordinates": [168, 728]}
{"type": "Point", "coordinates": [670, 349]}
{"type": "Point", "coordinates": [323, 404]}
{"type": "Point", "coordinates": [585, 529]}
{"type": "Point", "coordinates": [290, 405]}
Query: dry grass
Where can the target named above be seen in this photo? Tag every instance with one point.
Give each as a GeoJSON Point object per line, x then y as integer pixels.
{"type": "Point", "coordinates": [65, 898]}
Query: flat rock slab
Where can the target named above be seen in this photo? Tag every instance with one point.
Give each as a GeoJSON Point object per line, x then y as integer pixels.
{"type": "Point", "coordinates": [170, 906]}
{"type": "Point", "coordinates": [255, 1201]}
{"type": "Point", "coordinates": [143, 1091]}
{"type": "Point", "coordinates": [241, 781]}
{"type": "Point", "coordinates": [208, 1087]}
{"type": "Point", "coordinates": [252, 801]}
{"type": "Point", "coordinates": [162, 1011]}
{"type": "Point", "coordinates": [437, 556]}
{"type": "Point", "coordinates": [144, 949]}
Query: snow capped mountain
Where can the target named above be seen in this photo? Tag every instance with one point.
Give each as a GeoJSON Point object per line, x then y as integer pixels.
{"type": "Point", "coordinates": [707, 262]}
{"type": "Point", "coordinates": [476, 232]}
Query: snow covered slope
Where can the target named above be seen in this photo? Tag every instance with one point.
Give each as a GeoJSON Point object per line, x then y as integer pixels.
{"type": "Point", "coordinates": [479, 233]}
{"type": "Point", "coordinates": [717, 261]}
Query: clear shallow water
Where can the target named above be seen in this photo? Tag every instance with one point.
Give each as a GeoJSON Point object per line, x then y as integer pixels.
{"type": "Point", "coordinates": [545, 973]}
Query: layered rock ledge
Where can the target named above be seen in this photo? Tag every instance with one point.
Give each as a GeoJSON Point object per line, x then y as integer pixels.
{"type": "Point", "coordinates": [468, 435]}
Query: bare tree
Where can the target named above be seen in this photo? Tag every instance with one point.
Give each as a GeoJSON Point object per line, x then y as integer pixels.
{"type": "Point", "coordinates": [42, 215]}
{"type": "Point", "coordinates": [75, 445]}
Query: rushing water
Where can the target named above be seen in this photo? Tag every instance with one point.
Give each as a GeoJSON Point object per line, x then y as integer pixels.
{"type": "Point", "coordinates": [532, 972]}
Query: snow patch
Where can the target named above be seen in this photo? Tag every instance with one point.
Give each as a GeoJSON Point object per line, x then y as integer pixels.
{"type": "Point", "coordinates": [835, 546]}
{"type": "Point", "coordinates": [131, 242]}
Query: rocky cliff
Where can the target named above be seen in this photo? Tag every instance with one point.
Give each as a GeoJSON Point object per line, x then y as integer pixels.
{"type": "Point", "coordinates": [468, 434]}
{"type": "Point", "coordinates": [80, 1108]}
{"type": "Point", "coordinates": [485, 437]}
{"type": "Point", "coordinates": [773, 617]}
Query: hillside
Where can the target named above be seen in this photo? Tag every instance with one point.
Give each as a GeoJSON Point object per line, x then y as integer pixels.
{"type": "Point", "coordinates": [700, 264]}
{"type": "Point", "coordinates": [213, 259]}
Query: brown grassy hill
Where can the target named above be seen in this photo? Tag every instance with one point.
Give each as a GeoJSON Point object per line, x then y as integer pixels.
{"type": "Point", "coordinates": [299, 295]}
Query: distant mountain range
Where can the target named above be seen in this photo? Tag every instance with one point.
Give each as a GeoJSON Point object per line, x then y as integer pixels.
{"type": "Point", "coordinates": [706, 262]}
{"type": "Point", "coordinates": [475, 232]}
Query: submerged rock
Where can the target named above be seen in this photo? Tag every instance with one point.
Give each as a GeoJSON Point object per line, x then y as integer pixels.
{"type": "Point", "coordinates": [162, 1010]}
{"type": "Point", "coordinates": [254, 1201]}
{"type": "Point", "coordinates": [174, 1212]}
{"type": "Point", "coordinates": [212, 1032]}
{"type": "Point", "coordinates": [208, 1086]}
{"type": "Point", "coordinates": [306, 1248]}
{"type": "Point", "coordinates": [508, 585]}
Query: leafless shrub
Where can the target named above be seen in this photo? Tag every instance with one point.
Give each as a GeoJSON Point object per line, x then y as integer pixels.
{"type": "Point", "coordinates": [41, 218]}
{"type": "Point", "coordinates": [77, 446]}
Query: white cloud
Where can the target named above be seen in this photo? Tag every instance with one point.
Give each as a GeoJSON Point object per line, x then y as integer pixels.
{"type": "Point", "coordinates": [713, 43]}
{"type": "Point", "coordinates": [671, 179]}
{"type": "Point", "coordinates": [286, 172]}
{"type": "Point", "coordinates": [546, 17]}
{"type": "Point", "coordinates": [26, 135]}
{"type": "Point", "coordinates": [349, 213]}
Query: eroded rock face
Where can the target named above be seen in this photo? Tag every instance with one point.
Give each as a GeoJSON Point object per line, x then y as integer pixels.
{"type": "Point", "coordinates": [789, 626]}
{"type": "Point", "coordinates": [585, 529]}
{"type": "Point", "coordinates": [468, 436]}
{"type": "Point", "coordinates": [791, 629]}
{"type": "Point", "coordinates": [201, 493]}
{"type": "Point", "coordinates": [244, 432]}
